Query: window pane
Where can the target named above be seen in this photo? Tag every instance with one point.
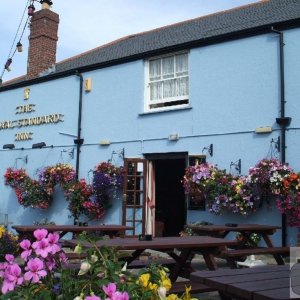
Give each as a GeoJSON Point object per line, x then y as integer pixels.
{"type": "Point", "coordinates": [181, 64]}
{"type": "Point", "coordinates": [155, 69]}
{"type": "Point", "coordinates": [155, 90]}
{"type": "Point", "coordinates": [170, 88]}
{"type": "Point", "coordinates": [183, 86]}
{"type": "Point", "coordinates": [168, 67]}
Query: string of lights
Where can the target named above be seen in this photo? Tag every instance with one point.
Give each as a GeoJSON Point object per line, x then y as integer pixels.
{"type": "Point", "coordinates": [18, 47]}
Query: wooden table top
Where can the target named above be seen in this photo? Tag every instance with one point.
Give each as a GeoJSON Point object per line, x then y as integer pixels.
{"type": "Point", "coordinates": [72, 228]}
{"type": "Point", "coordinates": [260, 283]}
{"type": "Point", "coordinates": [194, 242]}
{"type": "Point", "coordinates": [238, 227]}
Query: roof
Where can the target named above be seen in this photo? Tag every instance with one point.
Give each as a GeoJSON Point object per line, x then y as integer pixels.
{"type": "Point", "coordinates": [250, 19]}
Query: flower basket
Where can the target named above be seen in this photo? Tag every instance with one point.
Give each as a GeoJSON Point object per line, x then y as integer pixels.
{"type": "Point", "coordinates": [266, 179]}
{"type": "Point", "coordinates": [107, 180]}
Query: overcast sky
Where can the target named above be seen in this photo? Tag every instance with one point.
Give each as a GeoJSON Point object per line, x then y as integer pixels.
{"type": "Point", "coordinates": [88, 24]}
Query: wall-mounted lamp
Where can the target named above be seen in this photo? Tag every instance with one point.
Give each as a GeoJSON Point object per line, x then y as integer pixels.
{"type": "Point", "coordinates": [237, 165]}
{"type": "Point", "coordinates": [265, 129]}
{"type": "Point", "coordinates": [209, 149]}
{"type": "Point", "coordinates": [104, 143]}
{"type": "Point", "coordinates": [8, 146]}
{"type": "Point", "coordinates": [173, 137]}
{"type": "Point", "coordinates": [39, 145]}
{"type": "Point", "coordinates": [88, 84]}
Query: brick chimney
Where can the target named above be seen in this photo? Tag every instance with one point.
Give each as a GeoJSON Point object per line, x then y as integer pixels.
{"type": "Point", "coordinates": [42, 41]}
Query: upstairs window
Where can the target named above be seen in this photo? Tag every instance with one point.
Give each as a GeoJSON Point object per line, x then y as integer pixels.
{"type": "Point", "coordinates": [167, 82]}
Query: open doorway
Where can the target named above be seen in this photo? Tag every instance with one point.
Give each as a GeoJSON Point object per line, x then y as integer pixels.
{"type": "Point", "coordinates": [170, 206]}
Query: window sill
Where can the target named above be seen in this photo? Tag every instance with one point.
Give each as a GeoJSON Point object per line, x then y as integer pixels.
{"type": "Point", "coordinates": [164, 111]}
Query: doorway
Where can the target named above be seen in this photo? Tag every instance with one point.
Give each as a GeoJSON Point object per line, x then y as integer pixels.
{"type": "Point", "coordinates": [170, 203]}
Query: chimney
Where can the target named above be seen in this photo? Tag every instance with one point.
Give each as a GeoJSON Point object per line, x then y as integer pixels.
{"type": "Point", "coordinates": [42, 41]}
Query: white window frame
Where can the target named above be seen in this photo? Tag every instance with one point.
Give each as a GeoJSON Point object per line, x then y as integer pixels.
{"type": "Point", "coordinates": [168, 103]}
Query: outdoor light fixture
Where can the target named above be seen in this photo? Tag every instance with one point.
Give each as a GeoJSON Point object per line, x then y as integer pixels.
{"type": "Point", "coordinates": [31, 10]}
{"type": "Point", "coordinates": [8, 146]}
{"type": "Point", "coordinates": [104, 142]}
{"type": "Point", "coordinates": [19, 47]}
{"type": "Point", "coordinates": [46, 1]}
{"type": "Point", "coordinates": [173, 137]}
{"type": "Point", "coordinates": [7, 65]}
{"type": "Point", "coordinates": [39, 145]}
{"type": "Point", "coordinates": [266, 129]}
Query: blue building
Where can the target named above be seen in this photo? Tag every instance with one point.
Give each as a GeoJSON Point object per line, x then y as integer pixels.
{"type": "Point", "coordinates": [223, 86]}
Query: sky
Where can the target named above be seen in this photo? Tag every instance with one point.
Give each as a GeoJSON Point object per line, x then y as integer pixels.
{"type": "Point", "coordinates": [87, 24]}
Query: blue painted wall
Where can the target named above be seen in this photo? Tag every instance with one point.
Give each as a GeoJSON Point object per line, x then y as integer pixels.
{"type": "Point", "coordinates": [234, 88]}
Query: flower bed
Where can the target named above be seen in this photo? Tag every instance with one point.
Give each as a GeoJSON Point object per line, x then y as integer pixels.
{"type": "Point", "coordinates": [44, 274]}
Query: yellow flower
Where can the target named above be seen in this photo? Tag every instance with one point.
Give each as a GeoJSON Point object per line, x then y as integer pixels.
{"type": "Point", "coordinates": [2, 231]}
{"type": "Point", "coordinates": [167, 283]}
{"type": "Point", "coordinates": [144, 279]}
{"type": "Point", "coordinates": [153, 286]}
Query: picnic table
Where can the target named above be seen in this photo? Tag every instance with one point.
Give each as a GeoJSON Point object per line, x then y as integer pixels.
{"type": "Point", "coordinates": [180, 249]}
{"type": "Point", "coordinates": [260, 283]}
{"type": "Point", "coordinates": [112, 230]}
{"type": "Point", "coordinates": [243, 248]}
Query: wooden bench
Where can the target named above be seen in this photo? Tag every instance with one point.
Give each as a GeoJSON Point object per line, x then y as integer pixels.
{"type": "Point", "coordinates": [178, 287]}
{"type": "Point", "coordinates": [238, 254]}
{"type": "Point", "coordinates": [72, 255]}
{"type": "Point", "coordinates": [142, 263]}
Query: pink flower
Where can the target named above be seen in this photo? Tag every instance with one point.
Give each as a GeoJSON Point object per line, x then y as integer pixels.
{"type": "Point", "coordinates": [42, 247]}
{"type": "Point", "coordinates": [110, 289]}
{"type": "Point", "coordinates": [120, 296]}
{"type": "Point", "coordinates": [12, 277]}
{"type": "Point", "coordinates": [93, 297]}
{"type": "Point", "coordinates": [40, 234]}
{"type": "Point", "coordinates": [35, 270]}
{"type": "Point", "coordinates": [53, 243]}
{"type": "Point", "coordinates": [25, 244]}
{"type": "Point", "coordinates": [9, 258]}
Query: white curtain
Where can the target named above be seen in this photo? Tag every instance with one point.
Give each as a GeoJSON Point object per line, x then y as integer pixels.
{"type": "Point", "coordinates": [150, 203]}
{"type": "Point", "coordinates": [168, 77]}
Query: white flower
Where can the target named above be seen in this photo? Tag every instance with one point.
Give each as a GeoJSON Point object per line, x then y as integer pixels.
{"type": "Point", "coordinates": [162, 291]}
{"type": "Point", "coordinates": [124, 267]}
{"type": "Point", "coordinates": [94, 258]}
{"type": "Point", "coordinates": [84, 268]}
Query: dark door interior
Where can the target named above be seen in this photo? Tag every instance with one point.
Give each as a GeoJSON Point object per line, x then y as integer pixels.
{"type": "Point", "coordinates": [169, 193]}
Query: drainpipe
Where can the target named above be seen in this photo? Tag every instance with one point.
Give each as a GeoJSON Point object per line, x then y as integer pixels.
{"type": "Point", "coordinates": [79, 140]}
{"type": "Point", "coordinates": [282, 121]}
